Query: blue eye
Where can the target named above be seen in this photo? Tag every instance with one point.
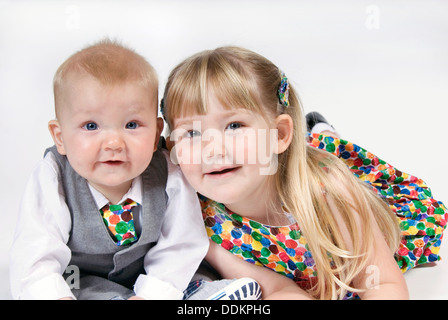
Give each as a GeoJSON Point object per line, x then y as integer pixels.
{"type": "Point", "coordinates": [90, 126]}
{"type": "Point", "coordinates": [132, 125]}
{"type": "Point", "coordinates": [192, 134]}
{"type": "Point", "coordinates": [234, 126]}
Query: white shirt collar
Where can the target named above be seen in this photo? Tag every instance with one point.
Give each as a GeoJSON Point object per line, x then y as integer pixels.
{"type": "Point", "coordinates": [134, 192]}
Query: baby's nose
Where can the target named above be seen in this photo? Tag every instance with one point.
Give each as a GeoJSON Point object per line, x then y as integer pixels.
{"type": "Point", "coordinates": [113, 142]}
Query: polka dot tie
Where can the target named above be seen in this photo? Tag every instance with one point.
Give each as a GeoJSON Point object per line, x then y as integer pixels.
{"type": "Point", "coordinates": [119, 220]}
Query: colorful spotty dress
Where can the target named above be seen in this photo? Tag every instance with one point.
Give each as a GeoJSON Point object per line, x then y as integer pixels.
{"type": "Point", "coordinates": [285, 250]}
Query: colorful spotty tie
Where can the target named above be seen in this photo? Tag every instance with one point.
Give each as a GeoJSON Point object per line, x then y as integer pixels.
{"type": "Point", "coordinates": [119, 220]}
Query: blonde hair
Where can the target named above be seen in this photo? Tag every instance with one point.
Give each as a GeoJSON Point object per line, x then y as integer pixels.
{"type": "Point", "coordinates": [110, 63]}
{"type": "Point", "coordinates": [305, 177]}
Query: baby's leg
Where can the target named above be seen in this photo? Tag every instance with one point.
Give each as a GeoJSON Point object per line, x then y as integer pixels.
{"type": "Point", "coordinates": [235, 289]}
{"type": "Point", "coordinates": [316, 123]}
{"type": "Point", "coordinates": [207, 284]}
{"type": "Point", "coordinates": [98, 288]}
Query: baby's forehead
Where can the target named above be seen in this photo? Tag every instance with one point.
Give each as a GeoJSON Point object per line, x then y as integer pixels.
{"type": "Point", "coordinates": [79, 77]}
{"type": "Point", "coordinates": [83, 91]}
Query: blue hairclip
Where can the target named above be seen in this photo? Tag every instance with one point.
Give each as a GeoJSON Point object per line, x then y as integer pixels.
{"type": "Point", "coordinates": [283, 90]}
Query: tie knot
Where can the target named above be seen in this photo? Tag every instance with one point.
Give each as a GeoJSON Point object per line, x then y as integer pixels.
{"type": "Point", "coordinates": [128, 204]}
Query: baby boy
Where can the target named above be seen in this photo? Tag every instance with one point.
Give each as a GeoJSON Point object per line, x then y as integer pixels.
{"type": "Point", "coordinates": [105, 201]}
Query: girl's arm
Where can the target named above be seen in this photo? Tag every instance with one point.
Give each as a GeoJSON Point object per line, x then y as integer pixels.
{"type": "Point", "coordinates": [382, 278]}
{"type": "Point", "coordinates": [273, 285]}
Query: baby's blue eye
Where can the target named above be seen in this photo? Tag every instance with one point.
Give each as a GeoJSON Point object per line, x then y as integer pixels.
{"type": "Point", "coordinates": [90, 126]}
{"type": "Point", "coordinates": [132, 125]}
{"type": "Point", "coordinates": [234, 126]}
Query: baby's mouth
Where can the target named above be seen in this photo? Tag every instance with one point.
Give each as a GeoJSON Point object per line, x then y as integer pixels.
{"type": "Point", "coordinates": [113, 162]}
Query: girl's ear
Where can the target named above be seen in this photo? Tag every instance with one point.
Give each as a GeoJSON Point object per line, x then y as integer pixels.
{"type": "Point", "coordinates": [160, 125]}
{"type": "Point", "coordinates": [56, 134]}
{"type": "Point", "coordinates": [285, 128]}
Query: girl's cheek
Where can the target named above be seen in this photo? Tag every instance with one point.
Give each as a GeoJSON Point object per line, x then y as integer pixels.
{"type": "Point", "coordinates": [193, 175]}
{"type": "Point", "coordinates": [186, 154]}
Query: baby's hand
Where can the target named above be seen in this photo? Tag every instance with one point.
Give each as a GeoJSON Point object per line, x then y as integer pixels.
{"type": "Point", "coordinates": [136, 298]}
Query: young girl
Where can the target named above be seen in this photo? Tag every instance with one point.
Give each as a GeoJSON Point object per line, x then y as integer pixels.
{"type": "Point", "coordinates": [272, 197]}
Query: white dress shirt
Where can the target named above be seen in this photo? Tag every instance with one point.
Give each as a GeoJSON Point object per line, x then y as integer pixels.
{"type": "Point", "coordinates": [40, 255]}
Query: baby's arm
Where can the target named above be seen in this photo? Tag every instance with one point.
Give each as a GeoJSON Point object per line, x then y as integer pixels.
{"type": "Point", "coordinates": [181, 247]}
{"type": "Point", "coordinates": [273, 285]}
{"type": "Point", "coordinates": [39, 254]}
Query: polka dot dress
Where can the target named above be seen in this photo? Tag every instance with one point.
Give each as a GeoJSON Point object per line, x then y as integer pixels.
{"type": "Point", "coordinates": [280, 248]}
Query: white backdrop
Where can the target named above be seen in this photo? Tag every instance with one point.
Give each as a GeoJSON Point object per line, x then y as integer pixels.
{"type": "Point", "coordinates": [377, 69]}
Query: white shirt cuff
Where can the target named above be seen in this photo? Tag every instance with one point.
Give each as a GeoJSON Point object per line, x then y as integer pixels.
{"type": "Point", "coordinates": [52, 287]}
{"type": "Point", "coordinates": [151, 288]}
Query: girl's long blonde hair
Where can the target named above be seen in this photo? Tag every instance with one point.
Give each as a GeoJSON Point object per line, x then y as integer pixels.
{"type": "Point", "coordinates": [306, 176]}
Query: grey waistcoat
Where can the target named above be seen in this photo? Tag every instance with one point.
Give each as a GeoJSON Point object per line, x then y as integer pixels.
{"type": "Point", "coordinates": [93, 250]}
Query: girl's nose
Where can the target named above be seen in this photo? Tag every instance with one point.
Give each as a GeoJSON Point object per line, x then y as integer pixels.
{"type": "Point", "coordinates": [213, 150]}
{"type": "Point", "coordinates": [213, 145]}
{"type": "Point", "coordinates": [216, 148]}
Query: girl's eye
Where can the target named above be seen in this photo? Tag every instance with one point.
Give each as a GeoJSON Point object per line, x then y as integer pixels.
{"type": "Point", "coordinates": [90, 126]}
{"type": "Point", "coordinates": [192, 133]}
{"type": "Point", "coordinates": [234, 126]}
{"type": "Point", "coordinates": [132, 125]}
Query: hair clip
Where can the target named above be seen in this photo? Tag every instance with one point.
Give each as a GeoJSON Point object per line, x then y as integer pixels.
{"type": "Point", "coordinates": [162, 108]}
{"type": "Point", "coordinates": [283, 90]}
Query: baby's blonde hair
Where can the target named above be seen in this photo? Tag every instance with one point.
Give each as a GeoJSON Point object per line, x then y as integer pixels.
{"type": "Point", "coordinates": [305, 175]}
{"type": "Point", "coordinates": [110, 63]}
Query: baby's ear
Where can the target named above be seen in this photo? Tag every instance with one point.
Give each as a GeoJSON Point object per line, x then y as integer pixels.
{"type": "Point", "coordinates": [55, 130]}
{"type": "Point", "coordinates": [285, 127]}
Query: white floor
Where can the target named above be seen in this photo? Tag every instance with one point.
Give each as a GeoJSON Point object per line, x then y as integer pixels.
{"type": "Point", "coordinates": [424, 283]}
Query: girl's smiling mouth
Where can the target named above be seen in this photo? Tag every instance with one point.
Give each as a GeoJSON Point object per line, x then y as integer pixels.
{"type": "Point", "coordinates": [222, 172]}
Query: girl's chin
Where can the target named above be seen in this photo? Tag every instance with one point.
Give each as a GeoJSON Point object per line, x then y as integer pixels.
{"type": "Point", "coordinates": [219, 197]}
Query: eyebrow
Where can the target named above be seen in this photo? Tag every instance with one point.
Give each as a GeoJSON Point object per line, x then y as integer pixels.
{"type": "Point", "coordinates": [183, 121]}
{"type": "Point", "coordinates": [225, 114]}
